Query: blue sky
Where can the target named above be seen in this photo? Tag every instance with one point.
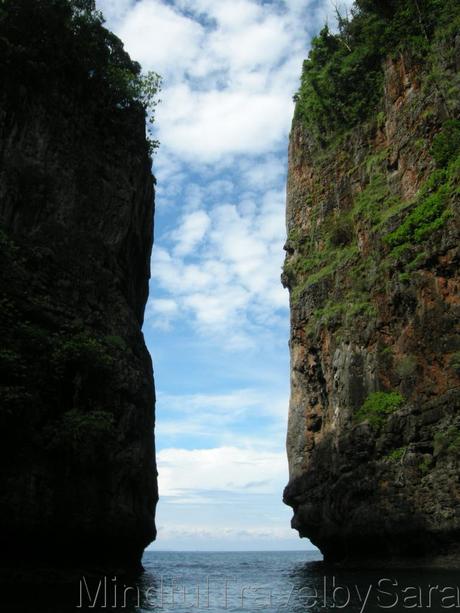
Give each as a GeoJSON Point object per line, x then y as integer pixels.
{"type": "Point", "coordinates": [217, 321]}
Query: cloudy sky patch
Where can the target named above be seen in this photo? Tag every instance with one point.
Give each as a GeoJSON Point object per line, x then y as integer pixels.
{"type": "Point", "coordinates": [217, 320]}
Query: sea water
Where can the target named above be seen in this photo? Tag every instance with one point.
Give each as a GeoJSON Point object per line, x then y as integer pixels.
{"type": "Point", "coordinates": [291, 582]}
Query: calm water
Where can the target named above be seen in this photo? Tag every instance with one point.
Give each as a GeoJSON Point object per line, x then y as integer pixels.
{"type": "Point", "coordinates": [263, 581]}
{"type": "Point", "coordinates": [282, 581]}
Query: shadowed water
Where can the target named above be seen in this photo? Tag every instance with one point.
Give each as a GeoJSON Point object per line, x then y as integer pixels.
{"type": "Point", "coordinates": [259, 581]}
{"type": "Point", "coordinates": [289, 581]}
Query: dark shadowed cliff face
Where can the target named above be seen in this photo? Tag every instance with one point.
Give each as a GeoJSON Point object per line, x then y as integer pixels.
{"type": "Point", "coordinates": [373, 270]}
{"type": "Point", "coordinates": [77, 460]}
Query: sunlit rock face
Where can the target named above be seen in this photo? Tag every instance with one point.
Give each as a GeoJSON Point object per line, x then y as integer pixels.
{"type": "Point", "coordinates": [374, 429]}
{"type": "Point", "coordinates": [77, 398]}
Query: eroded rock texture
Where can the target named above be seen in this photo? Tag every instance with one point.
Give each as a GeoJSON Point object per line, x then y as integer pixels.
{"type": "Point", "coordinates": [77, 463]}
{"type": "Point", "coordinates": [375, 307]}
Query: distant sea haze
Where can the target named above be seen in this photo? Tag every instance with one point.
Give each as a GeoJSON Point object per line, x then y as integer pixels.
{"type": "Point", "coordinates": [268, 581]}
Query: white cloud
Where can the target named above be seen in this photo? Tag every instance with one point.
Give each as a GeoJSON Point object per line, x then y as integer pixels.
{"type": "Point", "coordinates": [234, 14]}
{"type": "Point", "coordinates": [161, 38]}
{"type": "Point", "coordinates": [215, 417]}
{"type": "Point", "coordinates": [160, 312]}
{"type": "Point", "coordinates": [169, 172]}
{"type": "Point", "coordinates": [190, 232]}
{"type": "Point", "coordinates": [185, 472]}
{"type": "Point", "coordinates": [230, 404]}
{"type": "Point", "coordinates": [226, 88]}
{"type": "Point", "coordinates": [163, 306]}
{"type": "Point", "coordinates": [231, 284]}
{"type": "Point", "coordinates": [205, 408]}
{"type": "Point", "coordinates": [230, 68]}
{"type": "Point", "coordinates": [250, 45]}
{"type": "Point", "coordinates": [114, 10]}
{"type": "Point", "coordinates": [266, 173]}
{"type": "Point", "coordinates": [270, 536]}
{"type": "Point", "coordinates": [230, 534]}
{"type": "Point", "coordinates": [221, 122]}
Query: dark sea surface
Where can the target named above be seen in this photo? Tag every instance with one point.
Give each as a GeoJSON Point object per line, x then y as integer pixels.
{"type": "Point", "coordinates": [260, 581]}
{"type": "Point", "coordinates": [283, 581]}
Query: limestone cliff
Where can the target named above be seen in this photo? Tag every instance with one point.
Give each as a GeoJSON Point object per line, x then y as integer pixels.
{"type": "Point", "coordinates": [372, 266]}
{"type": "Point", "coordinates": [77, 459]}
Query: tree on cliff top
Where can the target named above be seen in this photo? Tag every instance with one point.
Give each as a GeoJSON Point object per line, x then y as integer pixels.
{"type": "Point", "coordinates": [55, 41]}
{"type": "Point", "coordinates": [342, 78]}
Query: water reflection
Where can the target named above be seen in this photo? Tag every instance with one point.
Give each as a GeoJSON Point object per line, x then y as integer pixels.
{"type": "Point", "coordinates": [320, 588]}
{"type": "Point", "coordinates": [292, 582]}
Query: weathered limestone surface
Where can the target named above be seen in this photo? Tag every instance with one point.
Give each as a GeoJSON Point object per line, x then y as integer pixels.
{"type": "Point", "coordinates": [374, 323]}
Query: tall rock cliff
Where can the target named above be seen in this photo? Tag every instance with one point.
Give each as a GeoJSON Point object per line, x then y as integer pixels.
{"type": "Point", "coordinates": [77, 459]}
{"type": "Point", "coordinates": [372, 266]}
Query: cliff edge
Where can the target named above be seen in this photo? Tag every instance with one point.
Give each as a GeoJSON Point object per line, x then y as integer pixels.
{"type": "Point", "coordinates": [76, 223]}
{"type": "Point", "coordinates": [372, 266]}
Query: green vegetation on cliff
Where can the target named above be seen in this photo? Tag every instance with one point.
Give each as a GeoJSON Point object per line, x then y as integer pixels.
{"type": "Point", "coordinates": [103, 76]}
{"type": "Point", "coordinates": [378, 406]}
{"type": "Point", "coordinates": [337, 106]}
{"type": "Point", "coordinates": [430, 211]}
{"type": "Point", "coordinates": [342, 79]}
{"type": "Point", "coordinates": [447, 442]}
{"type": "Point", "coordinates": [372, 266]}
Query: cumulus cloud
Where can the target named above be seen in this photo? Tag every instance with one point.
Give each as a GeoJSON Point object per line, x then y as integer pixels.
{"type": "Point", "coordinates": [162, 305]}
{"type": "Point", "coordinates": [221, 122]}
{"type": "Point", "coordinates": [268, 173]}
{"type": "Point", "coordinates": [231, 283]}
{"type": "Point", "coordinates": [230, 69]}
{"type": "Point", "coordinates": [161, 311]}
{"type": "Point", "coordinates": [234, 15]}
{"type": "Point", "coordinates": [160, 37]}
{"type": "Point", "coordinates": [228, 496]}
{"type": "Point", "coordinates": [190, 232]}
{"type": "Point", "coordinates": [226, 90]}
{"type": "Point", "coordinates": [115, 10]}
{"type": "Point", "coordinates": [183, 472]}
{"type": "Point", "coordinates": [217, 416]}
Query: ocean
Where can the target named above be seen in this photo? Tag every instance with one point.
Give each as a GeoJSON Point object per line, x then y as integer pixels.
{"type": "Point", "coordinates": [278, 581]}
{"type": "Point", "coordinates": [289, 581]}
